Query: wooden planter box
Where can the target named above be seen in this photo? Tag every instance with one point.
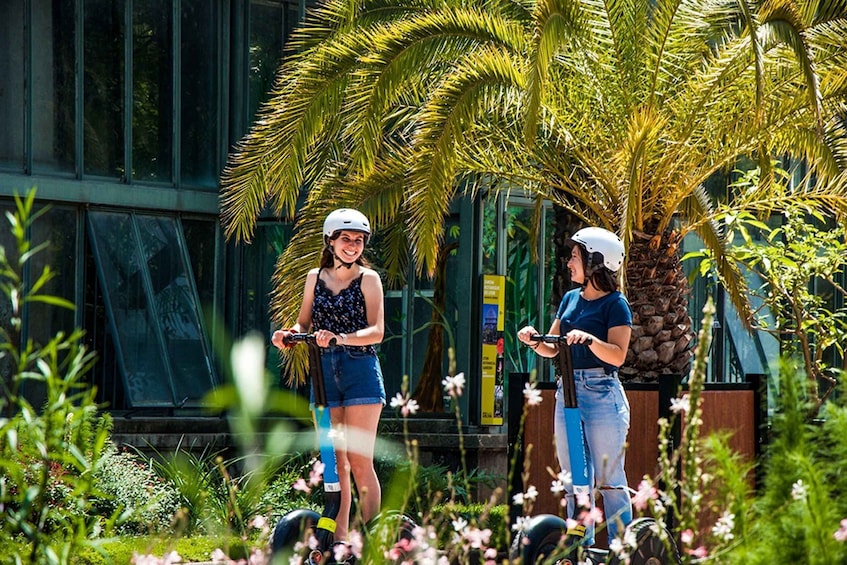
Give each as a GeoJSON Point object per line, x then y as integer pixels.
{"type": "Point", "coordinates": [737, 408]}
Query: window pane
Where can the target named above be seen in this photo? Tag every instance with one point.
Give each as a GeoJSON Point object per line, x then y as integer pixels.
{"type": "Point", "coordinates": [104, 88]}
{"type": "Point", "coordinates": [201, 237]}
{"type": "Point", "coordinates": [199, 93]}
{"type": "Point", "coordinates": [53, 96]}
{"type": "Point", "coordinates": [521, 287]}
{"type": "Point", "coordinates": [175, 305]}
{"type": "Point", "coordinates": [152, 90]}
{"type": "Point", "coordinates": [12, 85]}
{"type": "Point", "coordinates": [58, 228]}
{"type": "Point", "coordinates": [132, 317]}
{"type": "Point", "coordinates": [266, 41]}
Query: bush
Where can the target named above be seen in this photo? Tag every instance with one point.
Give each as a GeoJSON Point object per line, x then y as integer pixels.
{"type": "Point", "coordinates": [145, 502]}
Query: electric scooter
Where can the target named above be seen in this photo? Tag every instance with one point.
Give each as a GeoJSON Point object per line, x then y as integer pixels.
{"type": "Point", "coordinates": [541, 539]}
{"type": "Point", "coordinates": [297, 525]}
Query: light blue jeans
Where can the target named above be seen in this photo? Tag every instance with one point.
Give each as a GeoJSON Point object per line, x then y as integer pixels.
{"type": "Point", "coordinates": [605, 419]}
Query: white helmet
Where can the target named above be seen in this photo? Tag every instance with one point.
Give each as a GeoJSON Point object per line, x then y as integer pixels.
{"type": "Point", "coordinates": [608, 245]}
{"type": "Point", "coordinates": [346, 219]}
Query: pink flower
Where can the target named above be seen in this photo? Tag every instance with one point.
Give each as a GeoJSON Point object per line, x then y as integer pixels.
{"type": "Point", "coordinates": [699, 553]}
{"type": "Point", "coordinates": [301, 485]}
{"type": "Point", "coordinates": [316, 474]}
{"type": "Point", "coordinates": [841, 534]}
{"type": "Point", "coordinates": [646, 492]}
{"type": "Point", "coordinates": [687, 537]}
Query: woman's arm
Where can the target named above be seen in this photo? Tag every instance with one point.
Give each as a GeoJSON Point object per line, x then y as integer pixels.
{"type": "Point", "coordinates": [304, 318]}
{"type": "Point", "coordinates": [612, 351]}
{"type": "Point", "coordinates": [543, 349]}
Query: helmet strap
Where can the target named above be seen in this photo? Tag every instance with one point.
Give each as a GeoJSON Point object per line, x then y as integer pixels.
{"type": "Point", "coordinates": [337, 258]}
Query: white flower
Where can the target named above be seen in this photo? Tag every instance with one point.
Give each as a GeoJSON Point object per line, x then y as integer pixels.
{"type": "Point", "coordinates": [799, 490]}
{"type": "Point", "coordinates": [521, 497]}
{"type": "Point", "coordinates": [680, 405]}
{"type": "Point", "coordinates": [520, 524]}
{"type": "Point", "coordinates": [454, 385]}
{"type": "Point", "coordinates": [405, 404]}
{"type": "Point", "coordinates": [532, 394]}
{"type": "Point", "coordinates": [398, 401]}
{"type": "Point", "coordinates": [723, 528]}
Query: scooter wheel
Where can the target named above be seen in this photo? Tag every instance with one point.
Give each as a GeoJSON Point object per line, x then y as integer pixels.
{"type": "Point", "coordinates": [540, 539]}
{"type": "Point", "coordinates": [291, 528]}
{"type": "Point", "coordinates": [650, 548]}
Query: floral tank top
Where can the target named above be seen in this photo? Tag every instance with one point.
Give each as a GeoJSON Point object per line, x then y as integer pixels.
{"type": "Point", "coordinates": [341, 313]}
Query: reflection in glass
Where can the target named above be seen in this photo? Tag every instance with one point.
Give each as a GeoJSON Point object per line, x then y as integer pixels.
{"type": "Point", "coordinates": [201, 238]}
{"type": "Point", "coordinates": [53, 92]}
{"type": "Point", "coordinates": [103, 112]}
{"type": "Point", "coordinates": [152, 90]}
{"type": "Point", "coordinates": [174, 302]}
{"type": "Point", "coordinates": [266, 41]}
{"type": "Point", "coordinates": [528, 283]}
{"type": "Point", "coordinates": [199, 93]}
{"type": "Point", "coordinates": [12, 85]}
{"type": "Point", "coordinates": [132, 317]}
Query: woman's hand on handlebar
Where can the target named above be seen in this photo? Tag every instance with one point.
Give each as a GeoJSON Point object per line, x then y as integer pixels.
{"type": "Point", "coordinates": [579, 336]}
{"type": "Point", "coordinates": [525, 335]}
{"type": "Point", "coordinates": [280, 338]}
{"type": "Point", "coordinates": [325, 338]}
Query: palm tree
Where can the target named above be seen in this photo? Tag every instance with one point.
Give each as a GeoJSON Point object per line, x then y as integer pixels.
{"type": "Point", "coordinates": [618, 111]}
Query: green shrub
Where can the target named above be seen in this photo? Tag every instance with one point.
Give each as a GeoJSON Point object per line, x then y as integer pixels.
{"type": "Point", "coordinates": [129, 487]}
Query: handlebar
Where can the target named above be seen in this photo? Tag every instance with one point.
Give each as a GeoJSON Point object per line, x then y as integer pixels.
{"type": "Point", "coordinates": [303, 337]}
{"type": "Point", "coordinates": [555, 339]}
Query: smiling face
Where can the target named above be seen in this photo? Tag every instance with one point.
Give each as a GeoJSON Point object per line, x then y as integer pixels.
{"type": "Point", "coordinates": [575, 266]}
{"type": "Point", "coordinates": [348, 246]}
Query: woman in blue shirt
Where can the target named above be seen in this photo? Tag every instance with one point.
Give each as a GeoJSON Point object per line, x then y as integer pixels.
{"type": "Point", "coordinates": [597, 321]}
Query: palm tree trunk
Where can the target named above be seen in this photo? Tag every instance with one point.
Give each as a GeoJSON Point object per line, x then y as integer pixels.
{"type": "Point", "coordinates": [658, 290]}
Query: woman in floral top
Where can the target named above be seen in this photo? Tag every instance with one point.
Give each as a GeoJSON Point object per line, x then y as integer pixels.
{"type": "Point", "coordinates": [343, 307]}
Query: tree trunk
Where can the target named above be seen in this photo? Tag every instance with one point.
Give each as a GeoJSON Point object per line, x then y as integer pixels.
{"type": "Point", "coordinates": [658, 290]}
{"type": "Point", "coordinates": [429, 391]}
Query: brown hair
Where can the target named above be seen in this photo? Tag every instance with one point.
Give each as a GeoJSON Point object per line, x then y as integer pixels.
{"type": "Point", "coordinates": [596, 272]}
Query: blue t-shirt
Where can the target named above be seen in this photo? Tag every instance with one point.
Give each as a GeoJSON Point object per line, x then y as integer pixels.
{"type": "Point", "coordinates": [594, 317]}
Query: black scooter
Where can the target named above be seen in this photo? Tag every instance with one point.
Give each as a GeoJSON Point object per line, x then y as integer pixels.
{"type": "Point", "coordinates": [301, 524]}
{"type": "Point", "coordinates": [541, 538]}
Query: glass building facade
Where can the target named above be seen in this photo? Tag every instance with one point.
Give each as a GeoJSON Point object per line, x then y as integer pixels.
{"type": "Point", "coordinates": [120, 113]}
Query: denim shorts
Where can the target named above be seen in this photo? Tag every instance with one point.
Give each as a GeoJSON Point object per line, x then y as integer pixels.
{"type": "Point", "coordinates": [351, 378]}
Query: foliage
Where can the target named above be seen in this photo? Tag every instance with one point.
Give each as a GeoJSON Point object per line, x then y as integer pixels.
{"type": "Point", "coordinates": [50, 453]}
{"type": "Point", "coordinates": [129, 486]}
{"type": "Point", "coordinates": [617, 111]}
{"type": "Point", "coordinates": [493, 517]}
{"type": "Point", "coordinates": [795, 266]}
{"type": "Point", "coordinates": [796, 515]}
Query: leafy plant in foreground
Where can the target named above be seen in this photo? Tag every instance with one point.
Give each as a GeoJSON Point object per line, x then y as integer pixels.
{"type": "Point", "coordinates": [50, 453]}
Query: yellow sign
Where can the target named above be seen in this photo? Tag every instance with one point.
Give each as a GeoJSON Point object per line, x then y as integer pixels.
{"type": "Point", "coordinates": [493, 306]}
